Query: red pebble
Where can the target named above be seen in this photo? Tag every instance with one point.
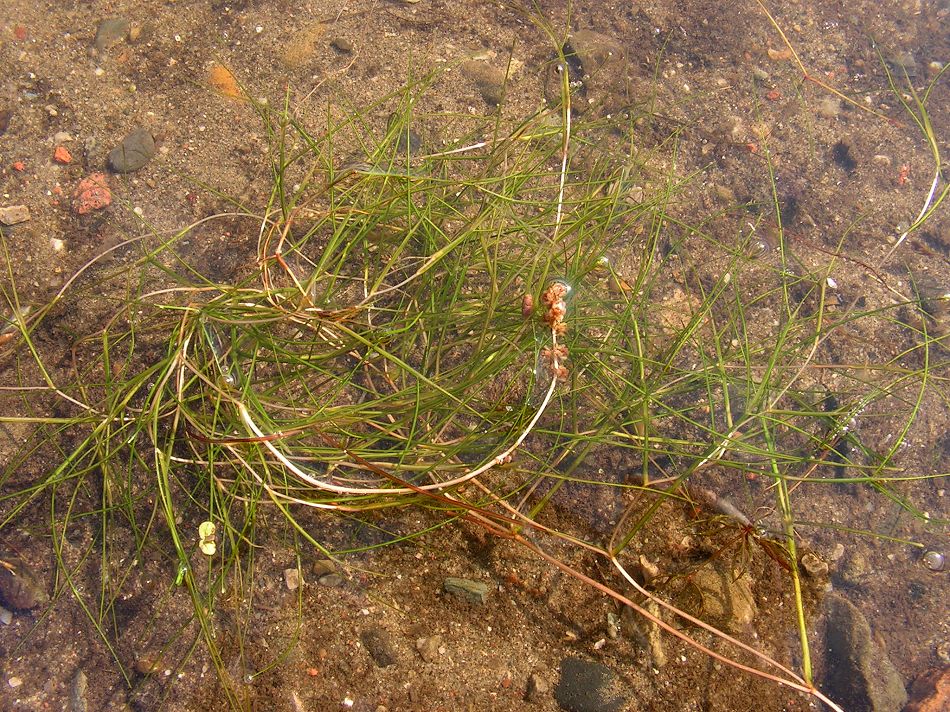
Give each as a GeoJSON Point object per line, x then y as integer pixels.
{"type": "Point", "coordinates": [19, 166]}
{"type": "Point", "coordinates": [62, 155]}
{"type": "Point", "coordinates": [92, 193]}
{"type": "Point", "coordinates": [774, 95]}
{"type": "Point", "coordinates": [19, 32]}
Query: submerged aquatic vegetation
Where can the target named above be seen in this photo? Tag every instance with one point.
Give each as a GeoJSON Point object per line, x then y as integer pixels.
{"type": "Point", "coordinates": [465, 330]}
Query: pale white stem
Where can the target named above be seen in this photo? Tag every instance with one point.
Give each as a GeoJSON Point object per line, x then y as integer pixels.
{"type": "Point", "coordinates": [499, 459]}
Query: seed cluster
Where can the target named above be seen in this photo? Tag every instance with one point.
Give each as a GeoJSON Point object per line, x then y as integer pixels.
{"type": "Point", "coordinates": [555, 356]}
{"type": "Point", "coordinates": [553, 299]}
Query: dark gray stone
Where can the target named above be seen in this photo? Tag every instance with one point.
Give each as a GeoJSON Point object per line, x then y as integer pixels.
{"type": "Point", "coordinates": [133, 152]}
{"type": "Point", "coordinates": [586, 686]}
{"type": "Point", "coordinates": [379, 646]}
{"type": "Point", "coordinates": [859, 674]}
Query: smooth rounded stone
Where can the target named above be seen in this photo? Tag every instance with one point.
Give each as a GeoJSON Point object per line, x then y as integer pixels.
{"type": "Point", "coordinates": [379, 646]}
{"type": "Point", "coordinates": [585, 686]}
{"type": "Point", "coordinates": [859, 675]}
{"type": "Point", "coordinates": [489, 80]}
{"type": "Point", "coordinates": [134, 151]}
{"type": "Point", "coordinates": [110, 32]}
{"type": "Point", "coordinates": [322, 567]}
{"type": "Point", "coordinates": [466, 589]}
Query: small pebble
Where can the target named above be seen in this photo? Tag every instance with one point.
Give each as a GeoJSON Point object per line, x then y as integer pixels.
{"type": "Point", "coordinates": [133, 152]}
{"type": "Point", "coordinates": [135, 31]}
{"type": "Point", "coordinates": [14, 214]}
{"type": "Point", "coordinates": [6, 617]}
{"type": "Point", "coordinates": [322, 566]}
{"type": "Point", "coordinates": [538, 688]}
{"type": "Point", "coordinates": [814, 565]}
{"type": "Point", "coordinates": [111, 31]}
{"type": "Point", "coordinates": [378, 644]}
{"type": "Point", "coordinates": [78, 692]}
{"type": "Point", "coordinates": [341, 44]}
{"type": "Point", "coordinates": [613, 625]}
{"type": "Point", "coordinates": [829, 107]}
{"type": "Point", "coordinates": [332, 580]}
{"type": "Point", "coordinates": [466, 589]}
{"type": "Point", "coordinates": [489, 80]}
{"type": "Point", "coordinates": [292, 578]}
{"type": "Point", "coordinates": [62, 155]}
{"type": "Point", "coordinates": [14, 682]}
{"type": "Point", "coordinates": [430, 648]}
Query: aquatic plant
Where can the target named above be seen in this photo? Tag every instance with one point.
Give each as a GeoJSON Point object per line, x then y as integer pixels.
{"type": "Point", "coordinates": [460, 330]}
